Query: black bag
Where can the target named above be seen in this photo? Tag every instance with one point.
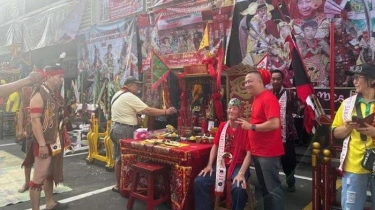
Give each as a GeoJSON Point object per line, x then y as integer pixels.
{"type": "Point", "coordinates": [368, 161]}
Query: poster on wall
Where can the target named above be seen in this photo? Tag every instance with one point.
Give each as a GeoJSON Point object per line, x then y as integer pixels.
{"type": "Point", "coordinates": [180, 30]}
{"type": "Point", "coordinates": [108, 52]}
{"type": "Point", "coordinates": [122, 8]}
{"type": "Point", "coordinates": [147, 36]}
{"type": "Point", "coordinates": [263, 28]}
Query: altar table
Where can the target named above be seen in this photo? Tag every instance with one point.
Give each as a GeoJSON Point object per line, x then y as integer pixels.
{"type": "Point", "coordinates": [186, 162]}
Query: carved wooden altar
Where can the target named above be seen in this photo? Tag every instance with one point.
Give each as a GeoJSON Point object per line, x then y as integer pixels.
{"type": "Point", "coordinates": [198, 89]}
{"type": "Point", "coordinates": [236, 86]}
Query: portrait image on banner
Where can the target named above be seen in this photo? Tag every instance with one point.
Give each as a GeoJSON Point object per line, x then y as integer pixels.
{"type": "Point", "coordinates": [264, 27]}
{"type": "Point", "coordinates": [180, 30]}
{"type": "Point", "coordinates": [108, 52]}
{"type": "Point", "coordinates": [147, 37]}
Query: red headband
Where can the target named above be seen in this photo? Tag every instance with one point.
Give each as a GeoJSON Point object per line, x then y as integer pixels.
{"type": "Point", "coordinates": [53, 73]}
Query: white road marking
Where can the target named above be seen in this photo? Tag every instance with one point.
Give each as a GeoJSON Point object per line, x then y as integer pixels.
{"type": "Point", "coordinates": [71, 155]}
{"type": "Point", "coordinates": [81, 196]}
{"type": "Point", "coordinates": [81, 153]}
{"type": "Point", "coordinates": [297, 176]}
{"type": "Point", "coordinates": [300, 177]}
{"type": "Point", "coordinates": [88, 194]}
{"type": "Point", "coordinates": [3, 145]}
{"type": "Point", "coordinates": [84, 153]}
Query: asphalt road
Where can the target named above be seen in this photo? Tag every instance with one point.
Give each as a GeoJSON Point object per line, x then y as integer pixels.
{"type": "Point", "coordinates": [92, 184]}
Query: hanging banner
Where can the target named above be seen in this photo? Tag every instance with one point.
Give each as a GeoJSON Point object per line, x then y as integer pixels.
{"type": "Point", "coordinates": [32, 5]}
{"type": "Point", "coordinates": [120, 8]}
{"type": "Point", "coordinates": [147, 37]}
{"type": "Point", "coordinates": [11, 10]}
{"type": "Point", "coordinates": [180, 30]}
{"type": "Point", "coordinates": [110, 50]}
{"type": "Point", "coordinates": [263, 27]}
{"type": "Point", "coordinates": [13, 31]}
{"type": "Point", "coordinates": [54, 26]}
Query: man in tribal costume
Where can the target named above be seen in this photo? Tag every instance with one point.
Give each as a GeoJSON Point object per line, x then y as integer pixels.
{"type": "Point", "coordinates": [46, 150]}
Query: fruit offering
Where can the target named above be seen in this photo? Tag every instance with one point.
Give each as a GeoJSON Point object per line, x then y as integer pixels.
{"type": "Point", "coordinates": [192, 138]}
{"type": "Point", "coordinates": [170, 129]}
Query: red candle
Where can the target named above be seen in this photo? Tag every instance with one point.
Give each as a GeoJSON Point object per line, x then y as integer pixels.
{"type": "Point", "coordinates": [179, 122]}
{"type": "Point", "coordinates": [204, 126]}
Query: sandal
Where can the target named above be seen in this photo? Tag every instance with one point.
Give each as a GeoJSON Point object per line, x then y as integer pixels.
{"type": "Point", "coordinates": [59, 206]}
{"type": "Point", "coordinates": [23, 189]}
{"type": "Point", "coordinates": [115, 190]}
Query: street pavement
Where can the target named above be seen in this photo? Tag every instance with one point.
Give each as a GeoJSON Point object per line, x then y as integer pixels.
{"type": "Point", "coordinates": [92, 184]}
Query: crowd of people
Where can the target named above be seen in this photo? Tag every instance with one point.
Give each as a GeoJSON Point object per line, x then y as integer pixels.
{"type": "Point", "coordinates": [261, 140]}
{"type": "Point", "coordinates": [269, 142]}
{"type": "Point", "coordinates": [266, 139]}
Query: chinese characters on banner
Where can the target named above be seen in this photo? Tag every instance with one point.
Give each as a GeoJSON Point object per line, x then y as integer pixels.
{"type": "Point", "coordinates": [123, 8]}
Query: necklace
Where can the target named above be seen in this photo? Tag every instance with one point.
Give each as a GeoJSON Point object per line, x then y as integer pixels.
{"type": "Point", "coordinates": [58, 101]}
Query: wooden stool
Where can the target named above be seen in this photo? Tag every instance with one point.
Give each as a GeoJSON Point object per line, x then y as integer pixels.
{"type": "Point", "coordinates": [151, 171]}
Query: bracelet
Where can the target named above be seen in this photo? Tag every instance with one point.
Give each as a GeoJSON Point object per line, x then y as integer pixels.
{"type": "Point", "coordinates": [240, 173]}
{"type": "Point", "coordinates": [42, 146]}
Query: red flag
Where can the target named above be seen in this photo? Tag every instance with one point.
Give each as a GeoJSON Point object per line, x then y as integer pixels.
{"type": "Point", "coordinates": [303, 85]}
{"type": "Point", "coordinates": [159, 71]}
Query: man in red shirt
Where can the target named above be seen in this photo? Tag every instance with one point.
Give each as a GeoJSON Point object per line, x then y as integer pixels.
{"type": "Point", "coordinates": [265, 138]}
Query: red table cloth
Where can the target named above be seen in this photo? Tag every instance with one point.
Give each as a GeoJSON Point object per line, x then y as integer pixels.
{"type": "Point", "coordinates": [186, 162]}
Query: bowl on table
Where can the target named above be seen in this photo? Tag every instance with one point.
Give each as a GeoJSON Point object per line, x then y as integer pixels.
{"type": "Point", "coordinates": [172, 137]}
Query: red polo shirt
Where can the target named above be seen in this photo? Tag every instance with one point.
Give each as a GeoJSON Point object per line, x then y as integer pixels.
{"type": "Point", "coordinates": [265, 144]}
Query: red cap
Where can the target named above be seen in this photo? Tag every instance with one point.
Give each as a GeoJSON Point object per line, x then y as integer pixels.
{"type": "Point", "coordinates": [266, 76]}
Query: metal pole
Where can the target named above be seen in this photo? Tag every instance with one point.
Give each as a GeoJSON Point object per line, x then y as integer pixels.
{"type": "Point", "coordinates": [326, 179]}
{"type": "Point", "coordinates": [332, 68]}
{"type": "Point", "coordinates": [316, 202]}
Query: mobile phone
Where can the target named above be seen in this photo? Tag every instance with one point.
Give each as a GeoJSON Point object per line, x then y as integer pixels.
{"type": "Point", "coordinates": [352, 123]}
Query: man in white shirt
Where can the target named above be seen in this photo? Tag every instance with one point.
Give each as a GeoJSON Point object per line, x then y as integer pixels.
{"type": "Point", "coordinates": [125, 107]}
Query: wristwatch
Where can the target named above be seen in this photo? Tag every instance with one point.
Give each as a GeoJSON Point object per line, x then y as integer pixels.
{"type": "Point", "coordinates": [253, 127]}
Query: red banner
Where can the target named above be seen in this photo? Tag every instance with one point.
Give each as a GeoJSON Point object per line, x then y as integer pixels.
{"type": "Point", "coordinates": [121, 8]}
{"type": "Point", "coordinates": [180, 30]}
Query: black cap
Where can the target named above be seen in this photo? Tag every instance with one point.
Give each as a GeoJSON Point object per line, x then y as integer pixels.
{"type": "Point", "coordinates": [366, 69]}
{"type": "Point", "coordinates": [131, 79]}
